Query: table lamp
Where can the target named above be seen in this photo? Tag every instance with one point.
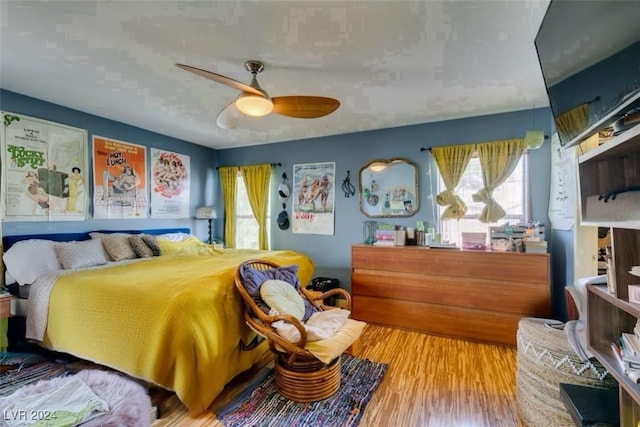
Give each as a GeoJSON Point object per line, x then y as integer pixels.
{"type": "Point", "coordinates": [208, 213]}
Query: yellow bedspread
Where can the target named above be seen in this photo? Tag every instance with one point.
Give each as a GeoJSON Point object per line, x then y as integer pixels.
{"type": "Point", "coordinates": [175, 321]}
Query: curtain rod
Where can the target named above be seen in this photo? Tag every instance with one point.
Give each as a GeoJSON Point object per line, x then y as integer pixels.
{"type": "Point", "coordinates": [429, 148]}
{"type": "Point", "coordinates": [273, 165]}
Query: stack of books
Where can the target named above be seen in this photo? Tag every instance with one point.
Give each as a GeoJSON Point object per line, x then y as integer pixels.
{"type": "Point", "coordinates": [385, 235]}
{"type": "Point", "coordinates": [627, 352]}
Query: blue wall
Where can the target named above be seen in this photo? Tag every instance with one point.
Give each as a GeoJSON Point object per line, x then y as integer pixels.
{"type": "Point", "coordinates": [350, 152]}
{"type": "Point", "coordinates": [202, 160]}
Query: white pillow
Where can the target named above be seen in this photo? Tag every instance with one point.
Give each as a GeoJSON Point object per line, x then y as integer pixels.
{"type": "Point", "coordinates": [86, 253]}
{"type": "Point", "coordinates": [174, 237]}
{"type": "Point", "coordinates": [320, 326]}
{"type": "Point", "coordinates": [9, 279]}
{"type": "Point", "coordinates": [28, 259]}
{"type": "Point", "coordinates": [282, 297]}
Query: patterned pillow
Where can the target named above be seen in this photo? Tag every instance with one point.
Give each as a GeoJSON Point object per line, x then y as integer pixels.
{"type": "Point", "coordinates": [100, 234]}
{"type": "Point", "coordinates": [87, 253]}
{"type": "Point", "coordinates": [140, 247]}
{"type": "Point", "coordinates": [118, 247]}
{"type": "Point", "coordinates": [152, 243]}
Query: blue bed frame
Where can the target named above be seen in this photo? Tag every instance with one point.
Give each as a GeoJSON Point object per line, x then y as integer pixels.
{"type": "Point", "coordinates": [8, 241]}
{"type": "Point", "coordinates": [17, 325]}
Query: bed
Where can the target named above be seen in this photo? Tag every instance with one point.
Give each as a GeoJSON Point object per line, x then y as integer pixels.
{"type": "Point", "coordinates": [173, 320]}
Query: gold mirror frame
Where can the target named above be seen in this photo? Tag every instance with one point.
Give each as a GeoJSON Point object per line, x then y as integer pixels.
{"type": "Point", "coordinates": [388, 188]}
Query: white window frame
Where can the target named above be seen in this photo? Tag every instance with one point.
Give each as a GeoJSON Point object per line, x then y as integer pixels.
{"type": "Point", "coordinates": [450, 230]}
{"type": "Point", "coordinates": [246, 234]}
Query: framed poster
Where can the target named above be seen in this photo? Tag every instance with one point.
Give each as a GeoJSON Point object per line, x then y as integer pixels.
{"type": "Point", "coordinates": [170, 176]}
{"type": "Point", "coordinates": [43, 167]}
{"type": "Point", "coordinates": [119, 179]}
{"type": "Point", "coordinates": [313, 201]}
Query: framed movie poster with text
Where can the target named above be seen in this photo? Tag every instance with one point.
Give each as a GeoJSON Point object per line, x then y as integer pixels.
{"type": "Point", "coordinates": [313, 198]}
{"type": "Point", "coordinates": [119, 179]}
{"type": "Point", "coordinates": [170, 176]}
{"type": "Point", "coordinates": [43, 170]}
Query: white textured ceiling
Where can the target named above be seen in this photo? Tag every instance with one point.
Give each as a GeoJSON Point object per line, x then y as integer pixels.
{"type": "Point", "coordinates": [389, 63]}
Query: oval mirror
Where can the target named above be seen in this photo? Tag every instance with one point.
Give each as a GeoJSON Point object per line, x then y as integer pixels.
{"type": "Point", "coordinates": [389, 188]}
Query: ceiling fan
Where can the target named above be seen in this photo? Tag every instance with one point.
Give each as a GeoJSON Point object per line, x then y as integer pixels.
{"type": "Point", "coordinates": [254, 101]}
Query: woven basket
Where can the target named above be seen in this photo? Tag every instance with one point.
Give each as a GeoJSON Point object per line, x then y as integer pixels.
{"type": "Point", "coordinates": [545, 359]}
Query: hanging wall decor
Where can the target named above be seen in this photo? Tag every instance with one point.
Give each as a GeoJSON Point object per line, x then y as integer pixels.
{"type": "Point", "coordinates": [119, 179]}
{"type": "Point", "coordinates": [43, 170]}
{"type": "Point", "coordinates": [170, 183]}
{"type": "Point", "coordinates": [313, 198]}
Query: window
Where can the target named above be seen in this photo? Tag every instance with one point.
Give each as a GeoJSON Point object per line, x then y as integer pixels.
{"type": "Point", "coordinates": [246, 224]}
{"type": "Point", "coordinates": [511, 195]}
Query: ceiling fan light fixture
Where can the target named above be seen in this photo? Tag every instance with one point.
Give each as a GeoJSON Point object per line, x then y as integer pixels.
{"type": "Point", "coordinates": [253, 105]}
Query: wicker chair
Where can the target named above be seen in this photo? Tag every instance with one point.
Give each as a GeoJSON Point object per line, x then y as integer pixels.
{"type": "Point", "coordinates": [300, 376]}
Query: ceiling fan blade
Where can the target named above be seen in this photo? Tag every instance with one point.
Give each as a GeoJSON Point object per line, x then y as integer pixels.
{"type": "Point", "coordinates": [221, 79]}
{"type": "Point", "coordinates": [304, 107]}
{"type": "Point", "coordinates": [230, 117]}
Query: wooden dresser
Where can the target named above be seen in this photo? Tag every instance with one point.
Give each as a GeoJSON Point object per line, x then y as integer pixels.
{"type": "Point", "coordinates": [474, 295]}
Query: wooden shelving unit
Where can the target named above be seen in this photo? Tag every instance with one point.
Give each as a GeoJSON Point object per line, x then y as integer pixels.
{"type": "Point", "coordinates": [612, 167]}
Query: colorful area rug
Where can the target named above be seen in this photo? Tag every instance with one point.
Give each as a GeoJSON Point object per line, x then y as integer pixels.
{"type": "Point", "coordinates": [264, 406]}
{"type": "Point", "coordinates": [19, 369]}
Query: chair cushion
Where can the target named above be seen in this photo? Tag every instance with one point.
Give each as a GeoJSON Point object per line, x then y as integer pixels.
{"type": "Point", "coordinates": [252, 279]}
{"type": "Point", "coordinates": [329, 349]}
{"type": "Point", "coordinates": [320, 326]}
{"type": "Point", "coordinates": [282, 297]}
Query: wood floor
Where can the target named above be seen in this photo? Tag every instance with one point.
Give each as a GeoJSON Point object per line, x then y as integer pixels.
{"type": "Point", "coordinates": [431, 381]}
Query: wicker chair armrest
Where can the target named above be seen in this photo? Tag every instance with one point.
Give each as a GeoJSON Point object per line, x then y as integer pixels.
{"type": "Point", "coordinates": [266, 329]}
{"type": "Point", "coordinates": [331, 292]}
{"type": "Point", "coordinates": [296, 323]}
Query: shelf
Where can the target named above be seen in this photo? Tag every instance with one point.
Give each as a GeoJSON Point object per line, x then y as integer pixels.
{"type": "Point", "coordinates": [619, 146]}
{"type": "Point", "coordinates": [611, 172]}
{"type": "Point", "coordinates": [626, 105]}
{"type": "Point", "coordinates": [608, 317]}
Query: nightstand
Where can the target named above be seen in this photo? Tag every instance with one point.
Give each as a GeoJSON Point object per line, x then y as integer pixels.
{"type": "Point", "coordinates": [5, 313]}
{"type": "Point", "coordinates": [5, 305]}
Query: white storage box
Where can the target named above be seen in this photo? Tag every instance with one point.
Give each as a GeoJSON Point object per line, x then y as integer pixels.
{"type": "Point", "coordinates": [477, 241]}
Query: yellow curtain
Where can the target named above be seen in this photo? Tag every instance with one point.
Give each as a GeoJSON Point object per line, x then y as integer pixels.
{"type": "Point", "coordinates": [452, 162]}
{"type": "Point", "coordinates": [228, 177]}
{"type": "Point", "coordinates": [257, 179]}
{"type": "Point", "coordinates": [573, 121]}
{"type": "Point", "coordinates": [498, 160]}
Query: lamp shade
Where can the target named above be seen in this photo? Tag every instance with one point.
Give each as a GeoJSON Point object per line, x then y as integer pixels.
{"type": "Point", "coordinates": [533, 139]}
{"type": "Point", "coordinates": [206, 212]}
{"type": "Point", "coordinates": [253, 105]}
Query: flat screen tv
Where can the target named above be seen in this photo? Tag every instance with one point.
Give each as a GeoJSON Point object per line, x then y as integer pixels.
{"type": "Point", "coordinates": [589, 53]}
